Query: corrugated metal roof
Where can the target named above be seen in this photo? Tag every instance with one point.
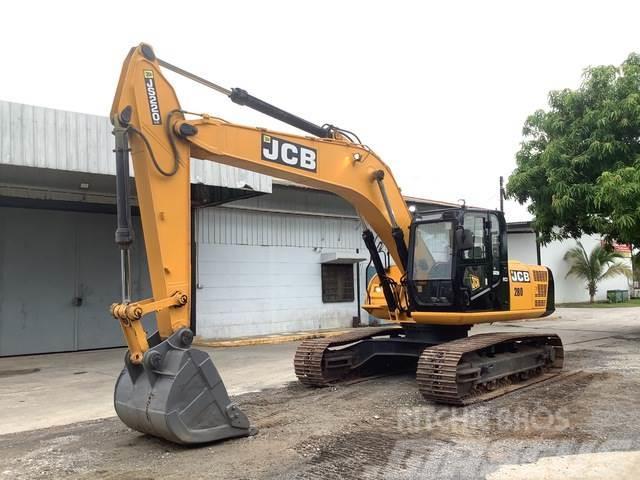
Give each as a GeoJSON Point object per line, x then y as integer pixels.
{"type": "Point", "coordinates": [428, 201]}
{"type": "Point", "coordinates": [231, 226]}
{"type": "Point", "coordinates": [408, 199]}
{"type": "Point", "coordinates": [40, 137]}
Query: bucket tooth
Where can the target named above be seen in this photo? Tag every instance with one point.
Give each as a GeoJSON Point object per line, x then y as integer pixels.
{"type": "Point", "coordinates": [177, 394]}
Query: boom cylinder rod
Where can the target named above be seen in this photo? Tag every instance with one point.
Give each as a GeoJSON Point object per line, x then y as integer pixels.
{"type": "Point", "coordinates": [195, 78]}
{"type": "Point", "coordinates": [242, 97]}
{"type": "Point", "coordinates": [396, 231]}
{"type": "Point", "coordinates": [379, 177]}
{"type": "Point", "coordinates": [125, 275]}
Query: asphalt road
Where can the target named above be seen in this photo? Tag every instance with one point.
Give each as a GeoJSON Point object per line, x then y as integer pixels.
{"type": "Point", "coordinates": [582, 425]}
{"type": "Point", "coordinates": [41, 391]}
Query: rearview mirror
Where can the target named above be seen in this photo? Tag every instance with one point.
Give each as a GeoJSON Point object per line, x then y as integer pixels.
{"type": "Point", "coordinates": [464, 239]}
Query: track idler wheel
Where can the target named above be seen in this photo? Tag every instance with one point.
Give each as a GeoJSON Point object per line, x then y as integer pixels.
{"type": "Point", "coordinates": [177, 394]}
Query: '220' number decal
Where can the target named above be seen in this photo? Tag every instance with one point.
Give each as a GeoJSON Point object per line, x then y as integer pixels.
{"type": "Point", "coordinates": [518, 291]}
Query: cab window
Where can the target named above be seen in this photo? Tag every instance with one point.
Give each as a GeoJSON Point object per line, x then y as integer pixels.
{"type": "Point", "coordinates": [475, 224]}
{"type": "Point", "coordinates": [495, 244]}
{"type": "Point", "coordinates": [433, 251]}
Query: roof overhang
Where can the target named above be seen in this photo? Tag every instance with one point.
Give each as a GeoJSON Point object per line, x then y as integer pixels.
{"type": "Point", "coordinates": [341, 258]}
{"type": "Point", "coordinates": [520, 227]}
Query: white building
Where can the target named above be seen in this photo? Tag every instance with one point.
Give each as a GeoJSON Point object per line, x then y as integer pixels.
{"type": "Point", "coordinates": [523, 247]}
{"type": "Point", "coordinates": [269, 257]}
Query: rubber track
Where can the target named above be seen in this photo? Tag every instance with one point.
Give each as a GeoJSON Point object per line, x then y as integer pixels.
{"type": "Point", "coordinates": [437, 374]}
{"type": "Point", "coordinates": [308, 361]}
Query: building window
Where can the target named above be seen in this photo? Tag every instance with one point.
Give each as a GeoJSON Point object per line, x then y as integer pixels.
{"type": "Point", "coordinates": [337, 283]}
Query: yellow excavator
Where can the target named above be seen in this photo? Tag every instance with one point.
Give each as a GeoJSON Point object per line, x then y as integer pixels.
{"type": "Point", "coordinates": [450, 267]}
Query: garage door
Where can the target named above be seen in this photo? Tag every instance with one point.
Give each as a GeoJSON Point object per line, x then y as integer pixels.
{"type": "Point", "coordinates": [60, 272]}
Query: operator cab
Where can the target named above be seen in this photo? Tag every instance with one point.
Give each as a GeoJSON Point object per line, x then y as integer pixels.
{"type": "Point", "coordinates": [458, 261]}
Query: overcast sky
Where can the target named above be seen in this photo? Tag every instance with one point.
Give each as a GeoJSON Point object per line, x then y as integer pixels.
{"type": "Point", "coordinates": [440, 91]}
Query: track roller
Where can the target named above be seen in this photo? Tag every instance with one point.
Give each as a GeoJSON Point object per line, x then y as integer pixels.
{"type": "Point", "coordinates": [485, 366]}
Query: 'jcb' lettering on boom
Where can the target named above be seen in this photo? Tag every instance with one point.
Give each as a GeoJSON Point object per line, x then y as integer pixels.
{"type": "Point", "coordinates": [288, 153]}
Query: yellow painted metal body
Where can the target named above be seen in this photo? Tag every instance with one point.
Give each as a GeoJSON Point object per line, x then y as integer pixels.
{"type": "Point", "coordinates": [342, 167]}
{"type": "Point", "coordinates": [527, 299]}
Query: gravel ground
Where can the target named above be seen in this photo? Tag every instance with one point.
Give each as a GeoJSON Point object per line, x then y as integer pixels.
{"type": "Point", "coordinates": [379, 428]}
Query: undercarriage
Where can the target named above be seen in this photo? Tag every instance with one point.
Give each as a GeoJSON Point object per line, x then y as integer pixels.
{"type": "Point", "coordinates": [450, 367]}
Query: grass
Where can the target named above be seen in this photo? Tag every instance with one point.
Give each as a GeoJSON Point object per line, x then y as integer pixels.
{"type": "Point", "coordinates": [634, 302]}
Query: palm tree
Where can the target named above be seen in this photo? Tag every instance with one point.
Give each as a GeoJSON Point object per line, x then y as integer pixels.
{"type": "Point", "coordinates": [600, 264]}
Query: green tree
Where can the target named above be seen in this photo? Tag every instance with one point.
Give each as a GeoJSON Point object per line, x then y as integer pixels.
{"type": "Point", "coordinates": [601, 263]}
{"type": "Point", "coordinates": [579, 161]}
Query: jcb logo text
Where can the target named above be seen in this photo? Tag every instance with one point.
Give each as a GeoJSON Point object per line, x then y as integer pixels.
{"type": "Point", "coordinates": [288, 153]}
{"type": "Point", "coordinates": [519, 276]}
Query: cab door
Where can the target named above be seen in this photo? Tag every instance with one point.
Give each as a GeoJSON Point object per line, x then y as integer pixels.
{"type": "Point", "coordinates": [497, 232]}
{"type": "Point", "coordinates": [474, 272]}
{"type": "Point", "coordinates": [483, 267]}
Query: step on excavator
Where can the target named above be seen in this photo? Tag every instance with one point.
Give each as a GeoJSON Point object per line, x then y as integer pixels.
{"type": "Point", "coordinates": [450, 267]}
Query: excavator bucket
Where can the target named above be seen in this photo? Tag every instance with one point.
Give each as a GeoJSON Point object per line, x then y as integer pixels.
{"type": "Point", "coordinates": [177, 394]}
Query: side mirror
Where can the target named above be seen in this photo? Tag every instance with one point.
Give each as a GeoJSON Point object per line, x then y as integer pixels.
{"type": "Point", "coordinates": [464, 239]}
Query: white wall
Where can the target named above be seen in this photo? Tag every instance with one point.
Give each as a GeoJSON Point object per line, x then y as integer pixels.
{"type": "Point", "coordinates": [522, 247]}
{"type": "Point", "coordinates": [258, 290]}
{"type": "Point", "coordinates": [570, 289]}
{"type": "Point", "coordinates": [259, 264]}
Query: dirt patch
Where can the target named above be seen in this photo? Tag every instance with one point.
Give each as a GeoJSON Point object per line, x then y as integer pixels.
{"type": "Point", "coordinates": [380, 428]}
{"type": "Point", "coordinates": [14, 373]}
